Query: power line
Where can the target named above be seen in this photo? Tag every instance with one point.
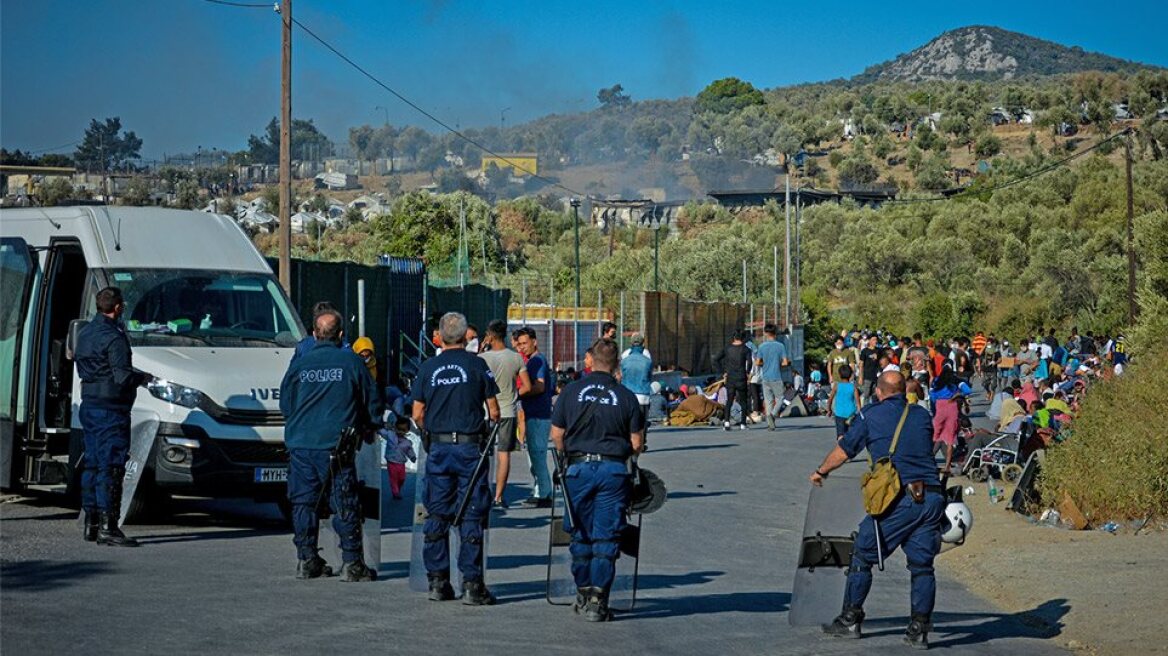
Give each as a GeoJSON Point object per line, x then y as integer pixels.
{"type": "Point", "coordinates": [970, 191]}
{"type": "Point", "coordinates": [45, 150]}
{"type": "Point", "coordinates": [246, 5]}
{"type": "Point", "coordinates": [416, 107]}
{"type": "Point", "coordinates": [435, 119]}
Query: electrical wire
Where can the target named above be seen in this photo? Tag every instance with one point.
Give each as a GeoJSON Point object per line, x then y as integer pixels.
{"type": "Point", "coordinates": [245, 5]}
{"type": "Point", "coordinates": [435, 119]}
{"type": "Point", "coordinates": [973, 191]}
{"type": "Point", "coordinates": [948, 194]}
{"type": "Point", "coordinates": [415, 106]}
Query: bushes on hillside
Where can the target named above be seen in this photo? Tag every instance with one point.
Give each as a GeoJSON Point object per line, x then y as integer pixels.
{"type": "Point", "coordinates": [1114, 463]}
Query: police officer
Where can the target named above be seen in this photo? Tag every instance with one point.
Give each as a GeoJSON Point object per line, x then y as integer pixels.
{"type": "Point", "coordinates": [448, 396]}
{"type": "Point", "coordinates": [326, 391]}
{"type": "Point", "coordinates": [913, 522]}
{"type": "Point", "coordinates": [598, 425]}
{"type": "Point", "coordinates": [108, 389]}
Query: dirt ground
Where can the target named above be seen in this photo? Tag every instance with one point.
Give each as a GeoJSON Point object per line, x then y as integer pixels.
{"type": "Point", "coordinates": [1108, 592]}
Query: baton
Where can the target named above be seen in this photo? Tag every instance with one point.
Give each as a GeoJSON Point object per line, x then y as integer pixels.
{"type": "Point", "coordinates": [569, 508]}
{"type": "Point", "coordinates": [879, 548]}
{"type": "Point", "coordinates": [476, 475]}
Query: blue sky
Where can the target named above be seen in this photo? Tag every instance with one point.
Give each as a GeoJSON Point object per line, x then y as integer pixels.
{"type": "Point", "coordinates": [186, 73]}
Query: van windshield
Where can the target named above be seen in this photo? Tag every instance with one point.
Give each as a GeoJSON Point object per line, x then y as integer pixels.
{"type": "Point", "coordinates": [189, 307]}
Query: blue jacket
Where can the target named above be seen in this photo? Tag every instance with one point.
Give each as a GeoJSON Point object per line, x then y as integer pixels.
{"type": "Point", "coordinates": [105, 365]}
{"type": "Point", "coordinates": [874, 427]}
{"type": "Point", "coordinates": [637, 371]}
{"type": "Point", "coordinates": [324, 392]}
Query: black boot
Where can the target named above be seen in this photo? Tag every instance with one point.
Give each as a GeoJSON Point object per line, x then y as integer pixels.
{"type": "Point", "coordinates": [582, 595]}
{"type": "Point", "coordinates": [597, 608]}
{"type": "Point", "coordinates": [357, 572]}
{"type": "Point", "coordinates": [847, 625]}
{"type": "Point", "coordinates": [440, 588]}
{"type": "Point", "coordinates": [91, 523]}
{"type": "Point", "coordinates": [475, 593]}
{"type": "Point", "coordinates": [313, 568]}
{"type": "Point", "coordinates": [108, 532]}
{"type": "Point", "coordinates": [917, 633]}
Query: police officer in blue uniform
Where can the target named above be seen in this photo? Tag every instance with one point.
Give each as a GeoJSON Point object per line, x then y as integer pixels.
{"type": "Point", "coordinates": [108, 388]}
{"type": "Point", "coordinates": [913, 522]}
{"type": "Point", "coordinates": [448, 396]}
{"type": "Point", "coordinates": [324, 392]}
{"type": "Point", "coordinates": [598, 425]}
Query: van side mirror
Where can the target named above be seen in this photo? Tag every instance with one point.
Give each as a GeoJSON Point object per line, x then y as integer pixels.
{"type": "Point", "coordinates": [75, 327]}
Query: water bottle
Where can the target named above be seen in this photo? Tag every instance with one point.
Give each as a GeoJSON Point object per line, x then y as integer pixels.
{"type": "Point", "coordinates": [992, 490]}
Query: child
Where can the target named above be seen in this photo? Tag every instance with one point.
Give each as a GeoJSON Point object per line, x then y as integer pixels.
{"type": "Point", "coordinates": [398, 448]}
{"type": "Point", "coordinates": [844, 400]}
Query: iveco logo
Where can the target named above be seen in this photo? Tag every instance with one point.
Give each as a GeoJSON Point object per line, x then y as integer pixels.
{"type": "Point", "coordinates": [265, 393]}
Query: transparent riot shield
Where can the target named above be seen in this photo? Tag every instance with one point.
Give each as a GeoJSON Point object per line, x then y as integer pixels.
{"type": "Point", "coordinates": [561, 585]}
{"type": "Point", "coordinates": [142, 437]}
{"type": "Point", "coordinates": [833, 517]}
{"type": "Point", "coordinates": [369, 491]}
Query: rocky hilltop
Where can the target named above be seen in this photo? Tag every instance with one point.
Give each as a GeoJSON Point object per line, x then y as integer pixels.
{"type": "Point", "coordinates": [982, 52]}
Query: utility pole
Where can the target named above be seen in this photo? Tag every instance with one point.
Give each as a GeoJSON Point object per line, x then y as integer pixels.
{"type": "Point", "coordinates": [775, 299]}
{"type": "Point", "coordinates": [1132, 309]}
{"type": "Point", "coordinates": [787, 251]}
{"type": "Point", "coordinates": [286, 148]}
{"type": "Point", "coordinates": [798, 254]}
{"type": "Point", "coordinates": [575, 202]}
{"type": "Point", "coordinates": [744, 282]}
{"type": "Point", "coordinates": [656, 250]}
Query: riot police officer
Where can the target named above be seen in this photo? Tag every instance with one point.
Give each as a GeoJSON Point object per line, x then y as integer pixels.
{"type": "Point", "coordinates": [598, 425]}
{"type": "Point", "coordinates": [108, 389]}
{"type": "Point", "coordinates": [326, 392]}
{"type": "Point", "coordinates": [448, 396]}
{"type": "Point", "coordinates": [913, 522]}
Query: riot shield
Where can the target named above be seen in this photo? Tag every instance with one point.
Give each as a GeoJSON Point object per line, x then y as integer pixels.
{"type": "Point", "coordinates": [561, 585]}
{"type": "Point", "coordinates": [369, 490]}
{"type": "Point", "coordinates": [419, 582]}
{"type": "Point", "coordinates": [834, 512]}
{"type": "Point", "coordinates": [142, 438]}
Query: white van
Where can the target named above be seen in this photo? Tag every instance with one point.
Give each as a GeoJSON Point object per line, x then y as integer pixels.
{"type": "Point", "coordinates": [204, 315]}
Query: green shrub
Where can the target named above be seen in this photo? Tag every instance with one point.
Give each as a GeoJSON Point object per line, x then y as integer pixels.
{"type": "Point", "coordinates": [1114, 464]}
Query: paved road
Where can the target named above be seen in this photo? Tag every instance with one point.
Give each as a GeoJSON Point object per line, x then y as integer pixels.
{"type": "Point", "coordinates": [718, 563]}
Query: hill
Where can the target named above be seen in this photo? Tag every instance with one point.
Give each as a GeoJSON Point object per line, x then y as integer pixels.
{"type": "Point", "coordinates": [982, 52]}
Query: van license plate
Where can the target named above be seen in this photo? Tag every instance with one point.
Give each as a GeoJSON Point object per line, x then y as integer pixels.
{"type": "Point", "coordinates": [271, 474]}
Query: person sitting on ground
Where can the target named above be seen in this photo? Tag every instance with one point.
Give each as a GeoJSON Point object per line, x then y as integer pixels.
{"type": "Point", "coordinates": [658, 404]}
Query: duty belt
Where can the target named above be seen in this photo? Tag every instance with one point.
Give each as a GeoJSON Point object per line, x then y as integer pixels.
{"type": "Point", "coordinates": [574, 458]}
{"type": "Point", "coordinates": [457, 438]}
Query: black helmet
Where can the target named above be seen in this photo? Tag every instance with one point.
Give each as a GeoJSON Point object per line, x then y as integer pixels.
{"type": "Point", "coordinates": [649, 492]}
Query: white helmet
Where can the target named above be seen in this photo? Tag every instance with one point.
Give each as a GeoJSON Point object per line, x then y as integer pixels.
{"type": "Point", "coordinates": [957, 524]}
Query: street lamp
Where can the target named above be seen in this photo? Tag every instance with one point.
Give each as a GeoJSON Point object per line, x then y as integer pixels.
{"type": "Point", "coordinates": [384, 109]}
{"type": "Point", "coordinates": [575, 203]}
{"type": "Point", "coordinates": [503, 122]}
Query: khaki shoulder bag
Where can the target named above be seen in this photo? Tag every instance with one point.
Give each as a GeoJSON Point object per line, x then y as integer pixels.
{"type": "Point", "coordinates": [881, 485]}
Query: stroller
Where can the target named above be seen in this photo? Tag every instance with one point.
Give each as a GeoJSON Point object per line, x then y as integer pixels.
{"type": "Point", "coordinates": [1000, 458]}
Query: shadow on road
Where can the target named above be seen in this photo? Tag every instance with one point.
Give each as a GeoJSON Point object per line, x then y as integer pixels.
{"type": "Point", "coordinates": [698, 495]}
{"type": "Point", "coordinates": [695, 447]}
{"type": "Point", "coordinates": [41, 575]}
{"type": "Point", "coordinates": [731, 602]}
{"type": "Point", "coordinates": [69, 514]}
{"type": "Point", "coordinates": [956, 629]}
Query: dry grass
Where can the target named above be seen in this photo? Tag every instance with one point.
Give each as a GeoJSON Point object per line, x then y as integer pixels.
{"type": "Point", "coordinates": [1115, 462]}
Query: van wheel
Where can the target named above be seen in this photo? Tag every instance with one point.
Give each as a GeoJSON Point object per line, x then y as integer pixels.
{"type": "Point", "coordinates": [150, 504]}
